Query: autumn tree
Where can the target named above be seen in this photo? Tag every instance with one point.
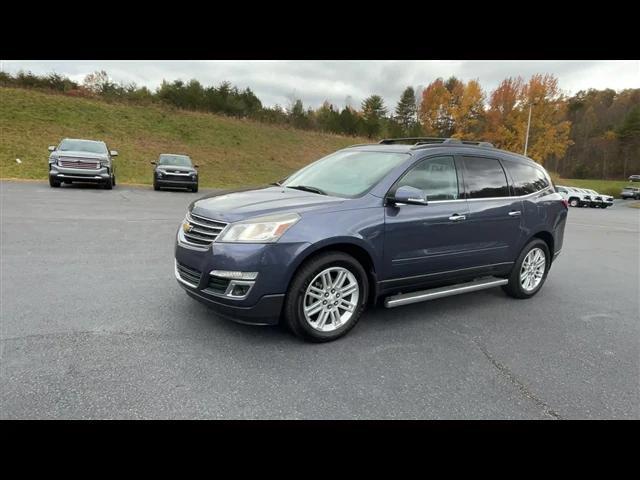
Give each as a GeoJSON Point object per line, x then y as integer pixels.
{"type": "Point", "coordinates": [508, 115]}
{"type": "Point", "coordinates": [453, 108]}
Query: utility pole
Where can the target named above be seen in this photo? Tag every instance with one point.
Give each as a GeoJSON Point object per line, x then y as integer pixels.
{"type": "Point", "coordinates": [526, 140]}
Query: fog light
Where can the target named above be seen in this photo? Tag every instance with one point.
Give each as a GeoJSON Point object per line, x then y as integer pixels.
{"type": "Point", "coordinates": [234, 275]}
{"type": "Point", "coordinates": [240, 290]}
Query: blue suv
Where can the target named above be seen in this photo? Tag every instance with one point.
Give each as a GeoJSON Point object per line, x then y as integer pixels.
{"type": "Point", "coordinates": [397, 222]}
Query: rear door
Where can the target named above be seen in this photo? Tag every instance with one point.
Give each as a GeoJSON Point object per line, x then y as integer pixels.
{"type": "Point", "coordinates": [495, 215]}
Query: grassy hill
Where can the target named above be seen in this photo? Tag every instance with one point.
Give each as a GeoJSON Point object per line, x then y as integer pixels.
{"type": "Point", "coordinates": [230, 152]}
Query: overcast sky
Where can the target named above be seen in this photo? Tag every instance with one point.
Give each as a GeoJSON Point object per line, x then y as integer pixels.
{"type": "Point", "coordinates": [276, 82]}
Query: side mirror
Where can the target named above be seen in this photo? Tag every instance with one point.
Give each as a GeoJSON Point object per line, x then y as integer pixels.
{"type": "Point", "coordinates": [52, 148]}
{"type": "Point", "coordinates": [153, 163]}
{"type": "Point", "coordinates": [410, 195]}
{"type": "Point", "coordinates": [113, 153]}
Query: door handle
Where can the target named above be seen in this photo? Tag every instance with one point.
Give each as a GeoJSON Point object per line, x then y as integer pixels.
{"type": "Point", "coordinates": [515, 213]}
{"type": "Point", "coordinates": [456, 218]}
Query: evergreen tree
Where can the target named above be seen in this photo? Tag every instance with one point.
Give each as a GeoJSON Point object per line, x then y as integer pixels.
{"type": "Point", "coordinates": [373, 112]}
{"type": "Point", "coordinates": [406, 111]}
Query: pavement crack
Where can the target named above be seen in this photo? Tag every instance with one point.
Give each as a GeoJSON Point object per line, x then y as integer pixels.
{"type": "Point", "coordinates": [521, 387]}
{"type": "Point", "coordinates": [509, 375]}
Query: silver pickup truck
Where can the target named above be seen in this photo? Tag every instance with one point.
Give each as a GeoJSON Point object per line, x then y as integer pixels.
{"type": "Point", "coordinates": [76, 160]}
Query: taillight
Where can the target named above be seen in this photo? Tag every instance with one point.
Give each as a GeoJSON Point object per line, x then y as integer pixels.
{"type": "Point", "coordinates": [565, 202]}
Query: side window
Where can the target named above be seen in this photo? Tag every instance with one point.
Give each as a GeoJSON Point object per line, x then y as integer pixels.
{"type": "Point", "coordinates": [562, 190]}
{"type": "Point", "coordinates": [527, 179]}
{"type": "Point", "coordinates": [437, 177]}
{"type": "Point", "coordinates": [484, 177]}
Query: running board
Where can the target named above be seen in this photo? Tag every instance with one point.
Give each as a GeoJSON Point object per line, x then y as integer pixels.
{"type": "Point", "coordinates": [448, 291]}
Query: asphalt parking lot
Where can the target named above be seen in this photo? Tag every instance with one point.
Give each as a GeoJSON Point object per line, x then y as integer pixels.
{"type": "Point", "coordinates": [94, 325]}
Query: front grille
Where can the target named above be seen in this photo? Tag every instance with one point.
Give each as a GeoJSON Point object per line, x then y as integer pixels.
{"type": "Point", "coordinates": [218, 285]}
{"type": "Point", "coordinates": [188, 274]}
{"type": "Point", "coordinates": [86, 164]}
{"type": "Point", "coordinates": [203, 231]}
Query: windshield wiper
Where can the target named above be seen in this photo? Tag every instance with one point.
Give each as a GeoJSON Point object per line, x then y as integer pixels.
{"type": "Point", "coordinates": [307, 188]}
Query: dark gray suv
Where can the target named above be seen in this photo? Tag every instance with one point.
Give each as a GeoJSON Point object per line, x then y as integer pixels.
{"type": "Point", "coordinates": [175, 171]}
{"type": "Point", "coordinates": [401, 221]}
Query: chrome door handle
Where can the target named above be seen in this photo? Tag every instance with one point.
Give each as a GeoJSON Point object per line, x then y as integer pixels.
{"type": "Point", "coordinates": [515, 213]}
{"type": "Point", "coordinates": [456, 218]}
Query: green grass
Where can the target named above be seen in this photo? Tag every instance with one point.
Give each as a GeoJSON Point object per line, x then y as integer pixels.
{"type": "Point", "coordinates": [230, 152]}
{"type": "Point", "coordinates": [608, 187]}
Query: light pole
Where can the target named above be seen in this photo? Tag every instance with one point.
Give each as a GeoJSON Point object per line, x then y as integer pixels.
{"type": "Point", "coordinates": [526, 140]}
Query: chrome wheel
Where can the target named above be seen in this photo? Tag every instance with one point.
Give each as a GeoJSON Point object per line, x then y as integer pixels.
{"type": "Point", "coordinates": [331, 299]}
{"type": "Point", "coordinates": [532, 270]}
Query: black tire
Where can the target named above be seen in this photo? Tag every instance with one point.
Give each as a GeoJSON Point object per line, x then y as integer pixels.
{"type": "Point", "coordinates": [194, 189]}
{"type": "Point", "coordinates": [108, 185]}
{"type": "Point", "coordinates": [113, 178]}
{"type": "Point", "coordinates": [574, 202]}
{"type": "Point", "coordinates": [604, 206]}
{"type": "Point", "coordinates": [155, 186]}
{"type": "Point", "coordinates": [293, 307]}
{"type": "Point", "coordinates": [514, 288]}
{"type": "Point", "coordinates": [53, 183]}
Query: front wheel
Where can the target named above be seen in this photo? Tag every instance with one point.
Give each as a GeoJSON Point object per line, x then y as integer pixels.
{"type": "Point", "coordinates": [195, 189]}
{"type": "Point", "coordinates": [326, 297]}
{"type": "Point", "coordinates": [530, 270]}
{"type": "Point", "coordinates": [53, 183]}
{"type": "Point", "coordinates": [108, 185]}
{"type": "Point", "coordinates": [574, 203]}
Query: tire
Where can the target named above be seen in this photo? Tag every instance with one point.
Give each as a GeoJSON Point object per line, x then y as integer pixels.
{"type": "Point", "coordinates": [335, 264]}
{"type": "Point", "coordinates": [604, 206]}
{"type": "Point", "coordinates": [113, 178]}
{"type": "Point", "coordinates": [194, 189]}
{"type": "Point", "coordinates": [515, 286]}
{"type": "Point", "coordinates": [155, 186]}
{"type": "Point", "coordinates": [108, 185]}
{"type": "Point", "coordinates": [574, 202]}
{"type": "Point", "coordinates": [53, 183]}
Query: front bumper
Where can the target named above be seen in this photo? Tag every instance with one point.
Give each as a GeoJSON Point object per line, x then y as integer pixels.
{"type": "Point", "coordinates": [63, 174]}
{"type": "Point", "coordinates": [262, 305]}
{"type": "Point", "coordinates": [162, 182]}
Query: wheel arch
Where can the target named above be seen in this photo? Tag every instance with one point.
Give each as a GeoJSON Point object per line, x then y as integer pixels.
{"type": "Point", "coordinates": [547, 237]}
{"type": "Point", "coordinates": [352, 247]}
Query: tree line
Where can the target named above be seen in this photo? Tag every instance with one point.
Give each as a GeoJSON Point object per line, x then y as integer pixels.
{"type": "Point", "coordinates": [593, 134]}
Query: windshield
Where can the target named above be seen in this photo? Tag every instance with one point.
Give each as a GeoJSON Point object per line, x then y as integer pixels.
{"type": "Point", "coordinates": [346, 173]}
{"type": "Point", "coordinates": [90, 146]}
{"type": "Point", "coordinates": [179, 160]}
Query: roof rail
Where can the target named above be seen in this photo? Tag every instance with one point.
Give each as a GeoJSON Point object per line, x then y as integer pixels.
{"type": "Point", "coordinates": [413, 140]}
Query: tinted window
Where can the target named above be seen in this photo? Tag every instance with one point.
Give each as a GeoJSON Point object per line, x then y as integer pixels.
{"type": "Point", "coordinates": [484, 177]}
{"type": "Point", "coordinates": [527, 179]}
{"type": "Point", "coordinates": [71, 145]}
{"type": "Point", "coordinates": [436, 176]}
{"type": "Point", "coordinates": [178, 160]}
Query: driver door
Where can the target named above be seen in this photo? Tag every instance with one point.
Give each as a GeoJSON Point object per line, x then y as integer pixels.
{"type": "Point", "coordinates": [423, 241]}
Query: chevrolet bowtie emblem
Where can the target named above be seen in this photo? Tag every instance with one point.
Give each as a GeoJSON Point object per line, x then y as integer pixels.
{"type": "Point", "coordinates": [186, 227]}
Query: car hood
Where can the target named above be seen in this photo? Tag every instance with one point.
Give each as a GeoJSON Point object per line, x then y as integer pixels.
{"type": "Point", "coordinates": [176, 167]}
{"type": "Point", "coordinates": [76, 154]}
{"type": "Point", "coordinates": [235, 205]}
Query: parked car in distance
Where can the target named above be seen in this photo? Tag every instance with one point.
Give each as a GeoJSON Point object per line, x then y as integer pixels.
{"type": "Point", "coordinates": [78, 160]}
{"type": "Point", "coordinates": [404, 221]}
{"type": "Point", "coordinates": [630, 192]}
{"type": "Point", "coordinates": [634, 178]}
{"type": "Point", "coordinates": [175, 171]}
{"type": "Point", "coordinates": [574, 196]}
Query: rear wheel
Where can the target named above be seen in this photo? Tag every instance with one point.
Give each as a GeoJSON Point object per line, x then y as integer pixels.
{"type": "Point", "coordinates": [326, 297]}
{"type": "Point", "coordinates": [530, 270]}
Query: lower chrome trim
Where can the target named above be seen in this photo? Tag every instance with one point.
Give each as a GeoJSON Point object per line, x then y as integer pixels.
{"type": "Point", "coordinates": [432, 294]}
{"type": "Point", "coordinates": [444, 272]}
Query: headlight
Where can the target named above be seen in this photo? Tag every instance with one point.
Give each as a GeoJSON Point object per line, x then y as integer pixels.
{"type": "Point", "coordinates": [260, 229]}
{"type": "Point", "coordinates": [104, 163]}
{"type": "Point", "coordinates": [53, 160]}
